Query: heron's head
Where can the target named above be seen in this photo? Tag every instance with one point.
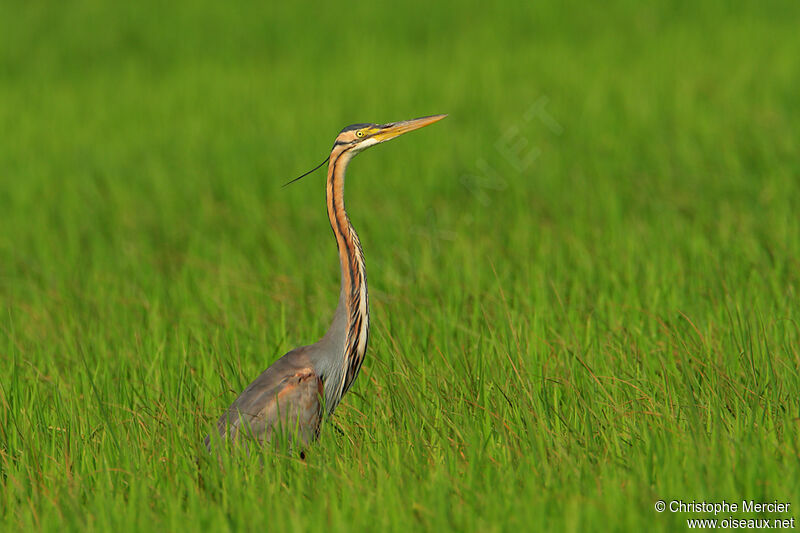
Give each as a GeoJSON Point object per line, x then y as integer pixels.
{"type": "Point", "coordinates": [358, 137]}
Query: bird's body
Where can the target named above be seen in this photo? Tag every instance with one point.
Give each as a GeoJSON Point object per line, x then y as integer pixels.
{"type": "Point", "coordinates": [287, 391]}
{"type": "Point", "coordinates": [294, 394]}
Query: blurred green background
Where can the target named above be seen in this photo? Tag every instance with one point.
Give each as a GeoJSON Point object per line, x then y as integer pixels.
{"type": "Point", "coordinates": [583, 282]}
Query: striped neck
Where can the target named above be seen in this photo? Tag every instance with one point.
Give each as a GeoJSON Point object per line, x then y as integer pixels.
{"type": "Point", "coordinates": [353, 298]}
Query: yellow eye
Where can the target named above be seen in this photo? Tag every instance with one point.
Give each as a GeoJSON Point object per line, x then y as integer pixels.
{"type": "Point", "coordinates": [359, 134]}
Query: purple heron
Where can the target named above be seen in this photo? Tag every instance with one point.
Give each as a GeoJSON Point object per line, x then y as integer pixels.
{"type": "Point", "coordinates": [294, 393]}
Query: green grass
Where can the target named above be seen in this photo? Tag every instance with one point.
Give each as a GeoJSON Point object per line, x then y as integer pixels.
{"type": "Point", "coordinates": [577, 311]}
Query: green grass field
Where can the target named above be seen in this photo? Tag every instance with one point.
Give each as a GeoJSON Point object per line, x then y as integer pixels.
{"type": "Point", "coordinates": [584, 282]}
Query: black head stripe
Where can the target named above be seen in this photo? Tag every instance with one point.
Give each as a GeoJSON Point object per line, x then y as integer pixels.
{"type": "Point", "coordinates": [352, 127]}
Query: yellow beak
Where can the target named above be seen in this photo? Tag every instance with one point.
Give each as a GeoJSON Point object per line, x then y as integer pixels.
{"type": "Point", "coordinates": [395, 129]}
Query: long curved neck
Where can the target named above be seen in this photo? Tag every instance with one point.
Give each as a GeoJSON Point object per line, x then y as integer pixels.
{"type": "Point", "coordinates": [349, 331]}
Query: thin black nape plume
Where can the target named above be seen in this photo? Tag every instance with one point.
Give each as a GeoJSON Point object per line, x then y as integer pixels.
{"type": "Point", "coordinates": [306, 174]}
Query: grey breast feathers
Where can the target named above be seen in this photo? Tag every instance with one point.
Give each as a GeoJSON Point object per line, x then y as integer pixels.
{"type": "Point", "coordinates": [286, 397]}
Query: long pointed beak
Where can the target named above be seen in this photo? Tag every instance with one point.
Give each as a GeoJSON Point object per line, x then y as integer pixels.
{"type": "Point", "coordinates": [395, 129]}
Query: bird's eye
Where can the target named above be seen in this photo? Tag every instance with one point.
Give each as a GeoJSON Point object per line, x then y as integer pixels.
{"type": "Point", "coordinates": [359, 134]}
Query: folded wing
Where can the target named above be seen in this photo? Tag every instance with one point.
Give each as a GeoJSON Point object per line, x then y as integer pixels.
{"type": "Point", "coordinates": [285, 398]}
